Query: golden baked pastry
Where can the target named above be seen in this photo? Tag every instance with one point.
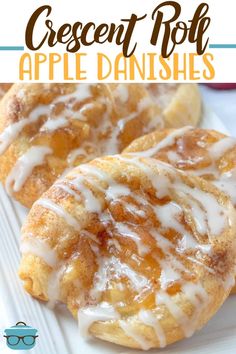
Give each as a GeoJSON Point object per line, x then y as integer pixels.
{"type": "Point", "coordinates": [141, 253]}
{"type": "Point", "coordinates": [180, 103]}
{"type": "Point", "coordinates": [4, 88]}
{"type": "Point", "coordinates": [46, 129]}
{"type": "Point", "coordinates": [205, 153]}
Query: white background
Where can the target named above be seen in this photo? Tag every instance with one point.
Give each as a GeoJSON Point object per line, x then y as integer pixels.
{"type": "Point", "coordinates": [223, 103]}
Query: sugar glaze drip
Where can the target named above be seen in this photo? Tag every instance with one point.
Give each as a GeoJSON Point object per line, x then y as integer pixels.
{"type": "Point", "coordinates": [172, 267]}
{"type": "Point", "coordinates": [35, 156]}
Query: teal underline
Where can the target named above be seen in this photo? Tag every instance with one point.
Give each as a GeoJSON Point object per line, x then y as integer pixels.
{"type": "Point", "coordinates": [11, 48]}
{"type": "Point", "coordinates": [223, 46]}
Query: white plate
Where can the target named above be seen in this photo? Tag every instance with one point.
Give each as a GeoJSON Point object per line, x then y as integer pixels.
{"type": "Point", "coordinates": [58, 332]}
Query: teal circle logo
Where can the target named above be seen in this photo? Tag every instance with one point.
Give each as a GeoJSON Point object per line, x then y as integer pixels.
{"type": "Point", "coordinates": [21, 336]}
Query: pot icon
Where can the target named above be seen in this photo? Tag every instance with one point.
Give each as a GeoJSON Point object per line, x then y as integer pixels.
{"type": "Point", "coordinates": [20, 336]}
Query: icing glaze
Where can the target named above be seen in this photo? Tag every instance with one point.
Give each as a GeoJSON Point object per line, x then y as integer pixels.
{"type": "Point", "coordinates": [12, 131]}
{"type": "Point", "coordinates": [35, 156]}
{"type": "Point", "coordinates": [167, 141]}
{"type": "Point", "coordinates": [148, 318]}
{"type": "Point", "coordinates": [54, 124]}
{"type": "Point", "coordinates": [88, 315]}
{"type": "Point", "coordinates": [122, 93]}
{"type": "Point", "coordinates": [219, 148]}
{"type": "Point", "coordinates": [132, 333]}
{"type": "Point", "coordinates": [40, 249]}
{"type": "Point", "coordinates": [125, 231]}
{"type": "Point", "coordinates": [110, 268]}
{"type": "Point", "coordinates": [60, 211]}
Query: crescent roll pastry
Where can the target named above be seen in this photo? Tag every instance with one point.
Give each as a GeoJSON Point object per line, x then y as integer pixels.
{"type": "Point", "coordinates": [142, 253]}
{"type": "Point", "coordinates": [205, 153]}
{"type": "Point", "coordinates": [46, 129]}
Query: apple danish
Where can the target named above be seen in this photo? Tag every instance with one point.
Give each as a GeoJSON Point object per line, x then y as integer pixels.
{"type": "Point", "coordinates": [142, 253]}
{"type": "Point", "coordinates": [205, 153]}
{"type": "Point", "coordinates": [46, 129]}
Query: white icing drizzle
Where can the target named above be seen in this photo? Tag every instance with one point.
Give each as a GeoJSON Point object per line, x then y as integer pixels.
{"type": "Point", "coordinates": [132, 333]}
{"type": "Point", "coordinates": [199, 298]}
{"type": "Point", "coordinates": [167, 141]}
{"type": "Point", "coordinates": [168, 215]}
{"type": "Point", "coordinates": [227, 183]}
{"type": "Point", "coordinates": [168, 273]}
{"type": "Point", "coordinates": [92, 204]}
{"type": "Point", "coordinates": [193, 291]}
{"type": "Point", "coordinates": [160, 183]}
{"type": "Point", "coordinates": [173, 156]}
{"type": "Point", "coordinates": [13, 130]}
{"type": "Point", "coordinates": [194, 260]}
{"type": "Point", "coordinates": [53, 290]}
{"type": "Point", "coordinates": [40, 249]}
{"type": "Point", "coordinates": [122, 92]}
{"type": "Point", "coordinates": [216, 214]}
{"type": "Point", "coordinates": [54, 124]}
{"type": "Point", "coordinates": [196, 295]}
{"type": "Point", "coordinates": [81, 152]}
{"type": "Point", "coordinates": [114, 190]}
{"type": "Point", "coordinates": [149, 319]}
{"type": "Point", "coordinates": [89, 235]}
{"type": "Point", "coordinates": [60, 211]}
{"type": "Point", "coordinates": [86, 107]}
{"type": "Point", "coordinates": [81, 93]}
{"type": "Point", "coordinates": [162, 297]}
{"type": "Point", "coordinates": [125, 231]}
{"type": "Point", "coordinates": [112, 242]}
{"type": "Point", "coordinates": [35, 156]}
{"type": "Point", "coordinates": [162, 242]}
{"type": "Point", "coordinates": [142, 105]}
{"type": "Point", "coordinates": [90, 314]}
{"type": "Point", "coordinates": [96, 171]}
{"type": "Point", "coordinates": [199, 216]}
{"type": "Point", "coordinates": [219, 148]}
{"type": "Point", "coordinates": [172, 261]}
{"type": "Point", "coordinates": [117, 190]}
{"type": "Point", "coordinates": [133, 209]}
{"type": "Point", "coordinates": [113, 268]}
{"type": "Point", "coordinates": [209, 170]}
{"type": "Point", "coordinates": [68, 190]}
